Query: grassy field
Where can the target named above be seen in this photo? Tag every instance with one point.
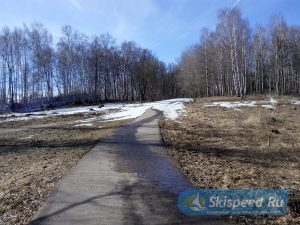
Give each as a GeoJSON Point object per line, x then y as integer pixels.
{"type": "Point", "coordinates": [35, 154]}
{"type": "Point", "coordinates": [255, 147]}
{"type": "Point", "coordinates": [215, 147]}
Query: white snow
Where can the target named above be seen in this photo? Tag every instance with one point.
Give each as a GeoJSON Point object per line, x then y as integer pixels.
{"type": "Point", "coordinates": [128, 111]}
{"type": "Point", "coordinates": [273, 101]}
{"type": "Point", "coordinates": [296, 102]}
{"type": "Point", "coordinates": [59, 112]}
{"type": "Point", "coordinates": [63, 111]}
{"type": "Point", "coordinates": [84, 125]}
{"type": "Point", "coordinates": [171, 108]}
{"type": "Point", "coordinates": [268, 104]}
{"type": "Point", "coordinates": [234, 105]}
{"type": "Point", "coordinates": [29, 137]}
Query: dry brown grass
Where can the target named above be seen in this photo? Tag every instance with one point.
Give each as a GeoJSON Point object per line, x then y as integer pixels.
{"type": "Point", "coordinates": [47, 120]}
{"type": "Point", "coordinates": [33, 160]}
{"type": "Point", "coordinates": [253, 148]}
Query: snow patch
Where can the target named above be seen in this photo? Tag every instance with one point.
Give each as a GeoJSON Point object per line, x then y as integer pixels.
{"type": "Point", "coordinates": [171, 109]}
{"type": "Point", "coordinates": [268, 104]}
{"type": "Point", "coordinates": [233, 105]}
{"type": "Point", "coordinates": [84, 125]}
{"type": "Point", "coordinates": [58, 112]}
{"type": "Point", "coordinates": [296, 102]}
{"type": "Point", "coordinates": [29, 137]}
{"type": "Point", "coordinates": [273, 101]}
{"type": "Point", "coordinates": [43, 114]}
{"type": "Point", "coordinates": [129, 111]}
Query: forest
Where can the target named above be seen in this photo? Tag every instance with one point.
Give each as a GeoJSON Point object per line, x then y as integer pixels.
{"type": "Point", "coordinates": [233, 59]}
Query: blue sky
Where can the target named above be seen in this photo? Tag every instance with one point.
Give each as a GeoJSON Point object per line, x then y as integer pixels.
{"type": "Point", "coordinates": [165, 26]}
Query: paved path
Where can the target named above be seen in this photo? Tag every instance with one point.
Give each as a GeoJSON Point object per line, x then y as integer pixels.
{"type": "Point", "coordinates": [126, 179]}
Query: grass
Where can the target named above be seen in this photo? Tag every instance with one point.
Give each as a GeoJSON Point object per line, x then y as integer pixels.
{"type": "Point", "coordinates": [33, 159]}
{"type": "Point", "coordinates": [47, 120]}
{"type": "Point", "coordinates": [253, 148]}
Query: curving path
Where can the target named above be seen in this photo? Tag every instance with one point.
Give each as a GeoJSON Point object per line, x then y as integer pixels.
{"type": "Point", "coordinates": [125, 179]}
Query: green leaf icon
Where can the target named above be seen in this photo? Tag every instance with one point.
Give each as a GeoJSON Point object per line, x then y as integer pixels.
{"type": "Point", "coordinates": [203, 201]}
{"type": "Point", "coordinates": [188, 202]}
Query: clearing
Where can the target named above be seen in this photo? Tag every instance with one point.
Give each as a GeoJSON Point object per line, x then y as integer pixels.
{"type": "Point", "coordinates": [37, 149]}
{"type": "Point", "coordinates": [223, 142]}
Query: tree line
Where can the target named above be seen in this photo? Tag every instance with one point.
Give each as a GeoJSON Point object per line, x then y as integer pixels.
{"type": "Point", "coordinates": [85, 69]}
{"type": "Point", "coordinates": [233, 59]}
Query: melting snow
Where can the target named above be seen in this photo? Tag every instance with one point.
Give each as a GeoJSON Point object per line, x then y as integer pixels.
{"type": "Point", "coordinates": [269, 104]}
{"type": "Point", "coordinates": [63, 111]}
{"type": "Point", "coordinates": [234, 105]}
{"type": "Point", "coordinates": [84, 125]}
{"type": "Point", "coordinates": [171, 108]}
{"type": "Point", "coordinates": [129, 111]}
{"type": "Point", "coordinates": [296, 102]}
{"type": "Point", "coordinates": [29, 137]}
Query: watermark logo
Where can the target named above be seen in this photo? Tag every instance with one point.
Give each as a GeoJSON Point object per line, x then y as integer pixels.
{"type": "Point", "coordinates": [233, 202]}
{"type": "Point", "coordinates": [195, 203]}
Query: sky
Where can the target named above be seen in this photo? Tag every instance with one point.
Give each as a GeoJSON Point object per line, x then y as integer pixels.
{"type": "Point", "coordinates": [167, 27]}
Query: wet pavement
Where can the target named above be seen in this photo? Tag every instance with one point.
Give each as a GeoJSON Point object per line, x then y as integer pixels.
{"type": "Point", "coordinates": [142, 151]}
{"type": "Point", "coordinates": [126, 179]}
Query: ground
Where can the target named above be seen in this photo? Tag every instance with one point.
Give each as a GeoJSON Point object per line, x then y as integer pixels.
{"type": "Point", "coordinates": [252, 146]}
{"type": "Point", "coordinates": [35, 154]}
{"type": "Point", "coordinates": [120, 181]}
{"type": "Point", "coordinates": [37, 149]}
{"type": "Point", "coordinates": [217, 143]}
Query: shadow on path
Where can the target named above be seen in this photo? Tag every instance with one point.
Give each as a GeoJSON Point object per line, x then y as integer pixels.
{"type": "Point", "coordinates": [126, 179]}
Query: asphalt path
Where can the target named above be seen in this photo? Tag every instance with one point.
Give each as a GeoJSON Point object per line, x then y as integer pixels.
{"type": "Point", "coordinates": [126, 179]}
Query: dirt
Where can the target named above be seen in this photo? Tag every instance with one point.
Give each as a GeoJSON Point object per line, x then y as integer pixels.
{"type": "Point", "coordinates": [253, 148]}
{"type": "Point", "coordinates": [33, 159]}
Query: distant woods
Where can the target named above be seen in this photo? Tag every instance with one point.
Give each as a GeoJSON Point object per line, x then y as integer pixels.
{"type": "Point", "coordinates": [78, 69]}
{"type": "Point", "coordinates": [233, 59]}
